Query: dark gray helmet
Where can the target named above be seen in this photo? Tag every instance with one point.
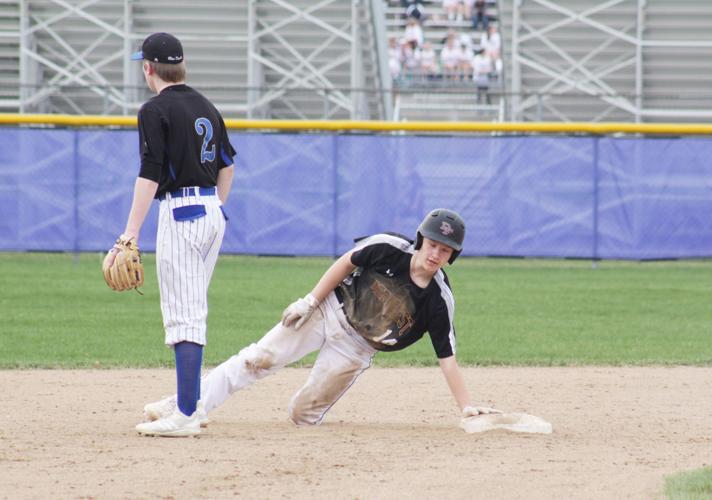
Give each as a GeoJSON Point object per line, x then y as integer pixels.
{"type": "Point", "coordinates": [444, 226]}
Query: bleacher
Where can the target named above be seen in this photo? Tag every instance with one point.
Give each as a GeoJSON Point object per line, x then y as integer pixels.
{"type": "Point", "coordinates": [618, 61]}
{"type": "Point", "coordinates": [9, 54]}
{"type": "Point", "coordinates": [611, 61]}
{"type": "Point", "coordinates": [257, 59]}
{"type": "Point", "coordinates": [439, 98]}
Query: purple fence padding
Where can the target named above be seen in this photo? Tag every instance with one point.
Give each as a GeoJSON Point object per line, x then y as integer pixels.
{"type": "Point", "coordinates": [311, 194]}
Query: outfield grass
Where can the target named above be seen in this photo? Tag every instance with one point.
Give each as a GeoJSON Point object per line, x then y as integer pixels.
{"type": "Point", "coordinates": [58, 312]}
{"type": "Point", "coordinates": [694, 485]}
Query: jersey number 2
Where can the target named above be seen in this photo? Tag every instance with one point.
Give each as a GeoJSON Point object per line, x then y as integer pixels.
{"type": "Point", "coordinates": [204, 127]}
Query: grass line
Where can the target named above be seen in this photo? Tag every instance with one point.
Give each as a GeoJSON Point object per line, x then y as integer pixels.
{"type": "Point", "coordinates": [58, 312]}
{"type": "Point", "coordinates": [691, 485]}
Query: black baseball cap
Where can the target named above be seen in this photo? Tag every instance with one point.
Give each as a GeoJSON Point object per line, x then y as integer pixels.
{"type": "Point", "coordinates": [160, 48]}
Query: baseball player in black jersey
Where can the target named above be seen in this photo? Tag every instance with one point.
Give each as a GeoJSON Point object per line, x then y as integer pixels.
{"type": "Point", "coordinates": [383, 295]}
{"type": "Point", "coordinates": [186, 163]}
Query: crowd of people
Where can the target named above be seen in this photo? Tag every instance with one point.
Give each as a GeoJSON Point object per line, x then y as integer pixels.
{"type": "Point", "coordinates": [458, 56]}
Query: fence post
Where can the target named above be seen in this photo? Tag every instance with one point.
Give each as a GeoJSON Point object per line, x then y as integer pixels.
{"type": "Point", "coordinates": [594, 250]}
{"type": "Point", "coordinates": [335, 198]}
{"type": "Point", "coordinates": [75, 207]}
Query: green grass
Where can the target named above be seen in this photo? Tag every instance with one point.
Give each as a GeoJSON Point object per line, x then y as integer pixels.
{"type": "Point", "coordinates": [58, 312]}
{"type": "Point", "coordinates": [694, 485]}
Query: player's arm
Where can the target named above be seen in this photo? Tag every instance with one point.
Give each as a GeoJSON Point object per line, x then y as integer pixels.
{"type": "Point", "coordinates": [299, 312]}
{"type": "Point", "coordinates": [144, 192]}
{"type": "Point", "coordinates": [336, 273]}
{"type": "Point", "coordinates": [225, 176]}
{"type": "Point", "coordinates": [456, 383]}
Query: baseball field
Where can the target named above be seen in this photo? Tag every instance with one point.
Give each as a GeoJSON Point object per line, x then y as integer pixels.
{"type": "Point", "coordinates": [616, 355]}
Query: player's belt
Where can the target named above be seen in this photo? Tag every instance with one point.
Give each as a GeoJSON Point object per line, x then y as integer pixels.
{"type": "Point", "coordinates": [190, 191]}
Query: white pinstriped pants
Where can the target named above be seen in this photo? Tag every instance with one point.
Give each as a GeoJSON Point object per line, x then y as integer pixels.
{"type": "Point", "coordinates": [186, 253]}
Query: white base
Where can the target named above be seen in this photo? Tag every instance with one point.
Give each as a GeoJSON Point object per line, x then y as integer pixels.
{"type": "Point", "coordinates": [515, 422]}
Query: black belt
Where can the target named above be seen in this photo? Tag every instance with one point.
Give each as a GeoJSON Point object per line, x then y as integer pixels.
{"type": "Point", "coordinates": [190, 191]}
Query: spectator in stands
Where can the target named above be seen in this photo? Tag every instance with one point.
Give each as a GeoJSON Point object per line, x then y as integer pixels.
{"type": "Point", "coordinates": [395, 58]}
{"type": "Point", "coordinates": [467, 9]}
{"type": "Point", "coordinates": [466, 40]}
{"type": "Point", "coordinates": [428, 61]}
{"type": "Point", "coordinates": [491, 42]}
{"type": "Point", "coordinates": [453, 9]}
{"type": "Point", "coordinates": [450, 57]}
{"type": "Point", "coordinates": [465, 62]}
{"type": "Point", "coordinates": [411, 59]}
{"type": "Point", "coordinates": [482, 70]}
{"type": "Point", "coordinates": [480, 15]}
{"type": "Point", "coordinates": [414, 9]}
{"type": "Point", "coordinates": [413, 32]}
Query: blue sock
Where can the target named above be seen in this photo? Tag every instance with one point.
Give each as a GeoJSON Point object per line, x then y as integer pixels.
{"type": "Point", "coordinates": [189, 358]}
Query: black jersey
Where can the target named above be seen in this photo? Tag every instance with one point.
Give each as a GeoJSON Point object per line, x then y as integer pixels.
{"type": "Point", "coordinates": [387, 308]}
{"type": "Point", "coordinates": [183, 140]}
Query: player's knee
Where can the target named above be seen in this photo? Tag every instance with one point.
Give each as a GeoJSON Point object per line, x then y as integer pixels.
{"type": "Point", "coordinates": [302, 411]}
{"type": "Point", "coordinates": [258, 359]}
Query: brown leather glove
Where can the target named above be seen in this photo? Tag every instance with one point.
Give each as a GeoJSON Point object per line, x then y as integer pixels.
{"type": "Point", "coordinates": [122, 266]}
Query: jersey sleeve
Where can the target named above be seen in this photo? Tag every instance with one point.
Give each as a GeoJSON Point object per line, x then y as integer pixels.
{"type": "Point", "coordinates": [369, 254]}
{"type": "Point", "coordinates": [152, 143]}
{"type": "Point", "coordinates": [441, 324]}
{"type": "Point", "coordinates": [227, 152]}
{"type": "Point", "coordinates": [377, 247]}
{"type": "Point", "coordinates": [442, 331]}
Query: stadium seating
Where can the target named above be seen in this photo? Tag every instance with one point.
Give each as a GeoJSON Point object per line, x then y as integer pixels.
{"type": "Point", "coordinates": [439, 99]}
{"type": "Point", "coordinates": [584, 69]}
{"type": "Point", "coordinates": [611, 61]}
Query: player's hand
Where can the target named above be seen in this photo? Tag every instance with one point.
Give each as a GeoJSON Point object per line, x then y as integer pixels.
{"type": "Point", "coordinates": [113, 251]}
{"type": "Point", "coordinates": [299, 311]}
{"type": "Point", "coordinates": [473, 411]}
{"type": "Point", "coordinates": [110, 257]}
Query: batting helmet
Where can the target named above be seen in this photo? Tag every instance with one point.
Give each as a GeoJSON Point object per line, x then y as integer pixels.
{"type": "Point", "coordinates": [444, 226]}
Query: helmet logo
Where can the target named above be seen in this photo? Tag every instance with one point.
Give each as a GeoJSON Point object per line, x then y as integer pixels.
{"type": "Point", "coordinates": [446, 229]}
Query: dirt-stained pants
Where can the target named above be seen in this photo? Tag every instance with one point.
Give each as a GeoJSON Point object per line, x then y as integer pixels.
{"type": "Point", "coordinates": [343, 356]}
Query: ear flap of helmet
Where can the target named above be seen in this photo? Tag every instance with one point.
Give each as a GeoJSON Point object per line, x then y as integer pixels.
{"type": "Point", "coordinates": [418, 240]}
{"type": "Point", "coordinates": [454, 255]}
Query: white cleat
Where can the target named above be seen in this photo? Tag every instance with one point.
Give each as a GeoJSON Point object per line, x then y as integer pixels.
{"type": "Point", "coordinates": [175, 425]}
{"type": "Point", "coordinates": [165, 408]}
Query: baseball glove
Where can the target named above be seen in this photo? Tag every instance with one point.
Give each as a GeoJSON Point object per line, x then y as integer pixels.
{"type": "Point", "coordinates": [122, 266]}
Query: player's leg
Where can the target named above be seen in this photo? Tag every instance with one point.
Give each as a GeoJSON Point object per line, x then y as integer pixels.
{"type": "Point", "coordinates": [279, 347]}
{"type": "Point", "coordinates": [186, 252]}
{"type": "Point", "coordinates": [344, 356]}
{"type": "Point", "coordinates": [332, 375]}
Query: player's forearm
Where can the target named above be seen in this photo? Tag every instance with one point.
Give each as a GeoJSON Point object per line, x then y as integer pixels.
{"type": "Point", "coordinates": [225, 176]}
{"type": "Point", "coordinates": [144, 191]}
{"type": "Point", "coordinates": [336, 273]}
{"type": "Point", "coordinates": [455, 381]}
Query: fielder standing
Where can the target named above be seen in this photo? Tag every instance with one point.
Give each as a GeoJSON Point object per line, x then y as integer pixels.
{"type": "Point", "coordinates": [383, 295]}
{"type": "Point", "coordinates": [186, 163]}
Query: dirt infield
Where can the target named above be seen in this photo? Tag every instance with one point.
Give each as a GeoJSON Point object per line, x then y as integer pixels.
{"type": "Point", "coordinates": [617, 433]}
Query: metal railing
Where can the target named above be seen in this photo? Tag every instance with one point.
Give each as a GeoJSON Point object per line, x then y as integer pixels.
{"type": "Point", "coordinates": [434, 99]}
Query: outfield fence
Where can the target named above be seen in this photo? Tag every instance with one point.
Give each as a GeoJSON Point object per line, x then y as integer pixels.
{"type": "Point", "coordinates": [588, 190]}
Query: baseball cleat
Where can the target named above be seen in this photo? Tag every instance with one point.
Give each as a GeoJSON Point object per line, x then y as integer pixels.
{"type": "Point", "coordinates": [176, 425]}
{"type": "Point", "coordinates": [166, 406]}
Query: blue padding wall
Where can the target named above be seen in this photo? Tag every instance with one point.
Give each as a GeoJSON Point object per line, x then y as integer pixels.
{"type": "Point", "coordinates": [298, 194]}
